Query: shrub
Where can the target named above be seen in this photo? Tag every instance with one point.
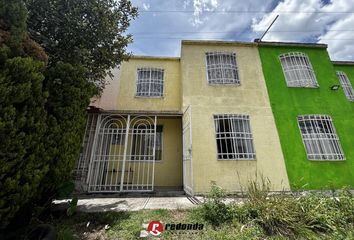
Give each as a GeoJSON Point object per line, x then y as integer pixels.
{"type": "Point", "coordinates": [290, 216]}
{"type": "Point", "coordinates": [22, 128]}
{"type": "Point", "coordinates": [69, 95]}
{"type": "Point", "coordinates": [214, 210]}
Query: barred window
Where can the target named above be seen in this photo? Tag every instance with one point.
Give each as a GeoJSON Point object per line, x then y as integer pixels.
{"type": "Point", "coordinates": [233, 137]}
{"type": "Point", "coordinates": [320, 137]}
{"type": "Point", "coordinates": [346, 85]}
{"type": "Point", "coordinates": [150, 82]}
{"type": "Point", "coordinates": [222, 68]}
{"type": "Point", "coordinates": [298, 70]}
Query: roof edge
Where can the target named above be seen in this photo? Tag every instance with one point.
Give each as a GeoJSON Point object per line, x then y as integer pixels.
{"type": "Point", "coordinates": [293, 44]}
{"type": "Point", "coordinates": [343, 62]}
{"type": "Point", "coordinates": [136, 112]}
{"type": "Point", "coordinates": [154, 57]}
{"type": "Point", "coordinates": [213, 42]}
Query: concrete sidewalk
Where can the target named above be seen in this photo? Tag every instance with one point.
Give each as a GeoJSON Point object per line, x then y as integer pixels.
{"type": "Point", "coordinates": [133, 203]}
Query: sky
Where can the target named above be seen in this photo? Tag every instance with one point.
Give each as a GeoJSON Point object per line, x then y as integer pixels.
{"type": "Point", "coordinates": [162, 24]}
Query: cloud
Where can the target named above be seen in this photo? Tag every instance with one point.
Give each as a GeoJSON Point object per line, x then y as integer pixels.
{"type": "Point", "coordinates": [146, 6]}
{"type": "Point", "coordinates": [343, 48]}
{"type": "Point", "coordinates": [159, 33]}
{"type": "Point", "coordinates": [186, 3]}
{"type": "Point", "coordinates": [199, 6]}
{"type": "Point", "coordinates": [328, 22]}
{"type": "Point", "coordinates": [226, 16]}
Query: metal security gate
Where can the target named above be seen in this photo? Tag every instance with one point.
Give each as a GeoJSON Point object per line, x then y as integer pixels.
{"type": "Point", "coordinates": [187, 151]}
{"type": "Point", "coordinates": [82, 165]}
{"type": "Point", "coordinates": [123, 155]}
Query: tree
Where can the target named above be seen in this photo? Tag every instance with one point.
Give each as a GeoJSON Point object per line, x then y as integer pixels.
{"type": "Point", "coordinates": [84, 40]}
{"type": "Point", "coordinates": [13, 17]}
{"type": "Point", "coordinates": [22, 112]}
{"type": "Point", "coordinates": [22, 127]}
{"type": "Point", "coordinates": [43, 106]}
{"type": "Point", "coordinates": [13, 31]}
{"type": "Point", "coordinates": [83, 32]}
{"type": "Point", "coordinates": [69, 97]}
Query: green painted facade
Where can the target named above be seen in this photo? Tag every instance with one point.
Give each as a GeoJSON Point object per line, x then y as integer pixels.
{"type": "Point", "coordinates": [287, 103]}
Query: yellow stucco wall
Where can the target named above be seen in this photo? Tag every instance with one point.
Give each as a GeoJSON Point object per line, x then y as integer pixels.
{"type": "Point", "coordinates": [249, 98]}
{"type": "Point", "coordinates": [170, 102]}
{"type": "Point", "coordinates": [168, 171]}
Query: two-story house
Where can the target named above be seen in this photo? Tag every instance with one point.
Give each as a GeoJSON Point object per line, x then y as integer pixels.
{"type": "Point", "coordinates": [224, 112]}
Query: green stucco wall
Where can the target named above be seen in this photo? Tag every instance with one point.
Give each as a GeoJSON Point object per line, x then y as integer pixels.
{"type": "Point", "coordinates": [288, 103]}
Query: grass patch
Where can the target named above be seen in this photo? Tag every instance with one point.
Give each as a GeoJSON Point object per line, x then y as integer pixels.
{"type": "Point", "coordinates": [261, 216]}
{"type": "Point", "coordinates": [308, 216]}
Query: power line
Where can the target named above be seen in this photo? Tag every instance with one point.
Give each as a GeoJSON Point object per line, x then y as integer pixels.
{"type": "Point", "coordinates": [182, 38]}
{"type": "Point", "coordinates": [212, 32]}
{"type": "Point", "coordinates": [242, 11]}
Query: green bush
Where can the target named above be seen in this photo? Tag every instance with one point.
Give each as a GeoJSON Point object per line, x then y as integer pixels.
{"type": "Point", "coordinates": [308, 215]}
{"type": "Point", "coordinates": [214, 210]}
{"type": "Point", "coordinates": [292, 216]}
{"type": "Point", "coordinates": [22, 128]}
{"type": "Point", "coordinates": [69, 96]}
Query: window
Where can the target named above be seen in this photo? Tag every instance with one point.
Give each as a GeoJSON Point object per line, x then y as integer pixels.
{"type": "Point", "coordinates": [222, 68]}
{"type": "Point", "coordinates": [150, 82]}
{"type": "Point", "coordinates": [233, 137]}
{"type": "Point", "coordinates": [320, 137]}
{"type": "Point", "coordinates": [298, 70]}
{"type": "Point", "coordinates": [143, 144]}
{"type": "Point", "coordinates": [346, 85]}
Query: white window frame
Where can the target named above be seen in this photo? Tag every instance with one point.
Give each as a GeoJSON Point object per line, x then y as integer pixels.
{"type": "Point", "coordinates": [346, 85]}
{"type": "Point", "coordinates": [150, 82]}
{"type": "Point", "coordinates": [240, 142]}
{"type": "Point", "coordinates": [224, 68]}
{"type": "Point", "coordinates": [320, 138]}
{"type": "Point", "coordinates": [297, 69]}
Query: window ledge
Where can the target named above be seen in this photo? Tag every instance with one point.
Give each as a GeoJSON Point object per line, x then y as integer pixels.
{"type": "Point", "coordinates": [224, 84]}
{"type": "Point", "coordinates": [303, 87]}
{"type": "Point", "coordinates": [327, 160]}
{"type": "Point", "coordinates": [236, 159]}
{"type": "Point", "coordinates": [154, 97]}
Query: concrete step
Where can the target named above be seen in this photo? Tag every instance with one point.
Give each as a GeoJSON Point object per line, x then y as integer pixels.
{"type": "Point", "coordinates": [162, 193]}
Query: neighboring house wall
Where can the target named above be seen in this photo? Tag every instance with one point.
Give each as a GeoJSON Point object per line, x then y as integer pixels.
{"type": "Point", "coordinates": [287, 103]}
{"type": "Point", "coordinates": [119, 98]}
{"type": "Point", "coordinates": [108, 98]}
{"type": "Point", "coordinates": [168, 172]}
{"type": "Point", "coordinates": [249, 98]}
{"type": "Point", "coordinates": [171, 100]}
